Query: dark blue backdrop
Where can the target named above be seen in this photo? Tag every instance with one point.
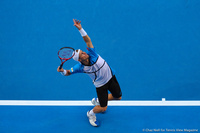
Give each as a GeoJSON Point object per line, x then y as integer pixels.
{"type": "Point", "coordinates": [154, 46]}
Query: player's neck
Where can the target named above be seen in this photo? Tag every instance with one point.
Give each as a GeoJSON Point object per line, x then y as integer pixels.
{"type": "Point", "coordinates": [86, 62]}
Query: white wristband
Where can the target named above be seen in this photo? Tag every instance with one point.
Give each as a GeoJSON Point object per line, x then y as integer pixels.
{"type": "Point", "coordinates": [83, 33]}
{"type": "Point", "coordinates": [64, 72]}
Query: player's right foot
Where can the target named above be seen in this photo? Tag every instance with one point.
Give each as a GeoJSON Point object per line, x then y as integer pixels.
{"type": "Point", "coordinates": [95, 101]}
{"type": "Point", "coordinates": [92, 119]}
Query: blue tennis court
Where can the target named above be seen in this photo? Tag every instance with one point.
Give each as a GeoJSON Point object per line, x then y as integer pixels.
{"type": "Point", "coordinates": [153, 45]}
{"type": "Point", "coordinates": [116, 119]}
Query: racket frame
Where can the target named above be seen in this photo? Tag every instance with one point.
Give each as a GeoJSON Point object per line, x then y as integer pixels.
{"type": "Point", "coordinates": [63, 60]}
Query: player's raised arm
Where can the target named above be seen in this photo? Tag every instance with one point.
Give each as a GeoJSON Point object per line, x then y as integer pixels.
{"type": "Point", "coordinates": [86, 38]}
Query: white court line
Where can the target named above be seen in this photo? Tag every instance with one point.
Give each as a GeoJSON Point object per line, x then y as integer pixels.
{"type": "Point", "coordinates": [88, 103]}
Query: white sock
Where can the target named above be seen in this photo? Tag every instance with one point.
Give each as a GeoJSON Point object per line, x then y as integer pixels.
{"type": "Point", "coordinates": [91, 112]}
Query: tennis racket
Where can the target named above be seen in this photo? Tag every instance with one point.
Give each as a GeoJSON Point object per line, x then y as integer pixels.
{"type": "Point", "coordinates": [65, 53]}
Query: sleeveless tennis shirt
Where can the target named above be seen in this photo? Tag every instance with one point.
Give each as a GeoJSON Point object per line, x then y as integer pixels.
{"type": "Point", "coordinates": [99, 71]}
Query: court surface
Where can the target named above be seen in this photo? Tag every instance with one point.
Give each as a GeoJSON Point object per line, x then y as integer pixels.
{"type": "Point", "coordinates": [73, 119]}
{"type": "Point", "coordinates": [153, 45]}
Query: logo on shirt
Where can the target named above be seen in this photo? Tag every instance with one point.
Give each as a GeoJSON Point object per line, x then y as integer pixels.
{"type": "Point", "coordinates": [72, 69]}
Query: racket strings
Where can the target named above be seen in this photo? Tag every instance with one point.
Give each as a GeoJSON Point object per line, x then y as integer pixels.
{"type": "Point", "coordinates": [66, 53]}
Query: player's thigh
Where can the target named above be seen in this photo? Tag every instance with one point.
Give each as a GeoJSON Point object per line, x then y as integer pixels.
{"type": "Point", "coordinates": [102, 93]}
{"type": "Point", "coordinates": [114, 88]}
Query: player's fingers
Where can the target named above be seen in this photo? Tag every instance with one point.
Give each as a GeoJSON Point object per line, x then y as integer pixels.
{"type": "Point", "coordinates": [58, 69]}
{"type": "Point", "coordinates": [74, 21]}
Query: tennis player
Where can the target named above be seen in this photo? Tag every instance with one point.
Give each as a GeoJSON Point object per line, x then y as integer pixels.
{"type": "Point", "coordinates": [99, 71]}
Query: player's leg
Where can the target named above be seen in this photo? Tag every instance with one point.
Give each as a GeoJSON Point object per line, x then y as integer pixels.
{"type": "Point", "coordinates": [102, 94]}
{"type": "Point", "coordinates": [110, 97]}
{"type": "Point", "coordinates": [95, 101]}
{"type": "Point", "coordinates": [115, 90]}
{"type": "Point", "coordinates": [99, 109]}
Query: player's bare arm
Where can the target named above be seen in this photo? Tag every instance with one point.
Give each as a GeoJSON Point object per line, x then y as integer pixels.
{"type": "Point", "coordinates": [86, 38]}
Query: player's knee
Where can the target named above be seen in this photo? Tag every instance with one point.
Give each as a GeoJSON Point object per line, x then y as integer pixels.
{"type": "Point", "coordinates": [119, 98]}
{"type": "Point", "coordinates": [103, 109]}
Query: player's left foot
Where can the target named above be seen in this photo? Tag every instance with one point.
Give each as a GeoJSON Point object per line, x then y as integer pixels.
{"type": "Point", "coordinates": [92, 119]}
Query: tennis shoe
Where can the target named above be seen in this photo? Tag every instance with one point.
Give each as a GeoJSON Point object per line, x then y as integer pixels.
{"type": "Point", "coordinates": [93, 120]}
{"type": "Point", "coordinates": [95, 102]}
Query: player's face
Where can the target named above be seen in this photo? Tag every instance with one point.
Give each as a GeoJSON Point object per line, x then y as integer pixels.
{"type": "Point", "coordinates": [83, 55]}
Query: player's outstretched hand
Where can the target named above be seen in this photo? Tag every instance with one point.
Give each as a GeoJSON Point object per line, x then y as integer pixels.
{"type": "Point", "coordinates": [77, 23]}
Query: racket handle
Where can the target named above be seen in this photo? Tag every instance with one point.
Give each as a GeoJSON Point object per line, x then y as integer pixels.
{"type": "Point", "coordinates": [61, 66]}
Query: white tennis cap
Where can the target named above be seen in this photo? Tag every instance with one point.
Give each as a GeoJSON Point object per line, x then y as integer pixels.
{"type": "Point", "coordinates": [76, 55]}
